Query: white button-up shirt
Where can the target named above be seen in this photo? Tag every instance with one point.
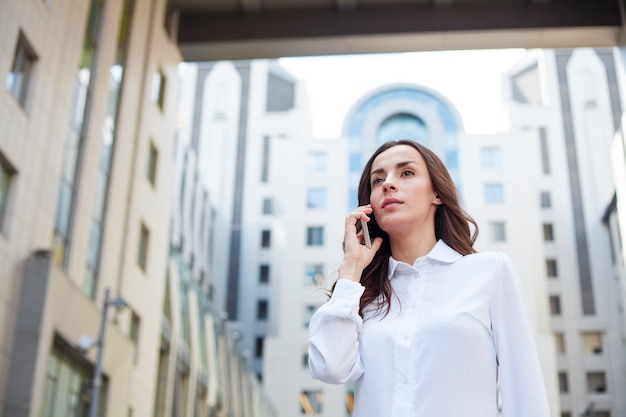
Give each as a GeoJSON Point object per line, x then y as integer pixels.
{"type": "Point", "coordinates": [457, 327]}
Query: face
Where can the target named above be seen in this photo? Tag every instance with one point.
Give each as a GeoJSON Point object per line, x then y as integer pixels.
{"type": "Point", "coordinates": [402, 194]}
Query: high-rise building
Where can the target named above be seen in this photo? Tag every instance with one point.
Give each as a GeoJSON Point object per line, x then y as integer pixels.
{"type": "Point", "coordinates": [572, 100]}
{"type": "Point", "coordinates": [539, 192]}
{"type": "Point", "coordinates": [88, 120]}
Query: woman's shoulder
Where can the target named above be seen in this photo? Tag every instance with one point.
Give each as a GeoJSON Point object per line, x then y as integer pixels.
{"type": "Point", "coordinates": [486, 257]}
{"type": "Point", "coordinates": [487, 261]}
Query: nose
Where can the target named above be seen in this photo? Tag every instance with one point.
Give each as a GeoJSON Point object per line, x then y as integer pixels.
{"type": "Point", "coordinates": [389, 184]}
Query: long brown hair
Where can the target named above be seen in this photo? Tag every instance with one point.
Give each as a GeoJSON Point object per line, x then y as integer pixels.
{"type": "Point", "coordinates": [452, 224]}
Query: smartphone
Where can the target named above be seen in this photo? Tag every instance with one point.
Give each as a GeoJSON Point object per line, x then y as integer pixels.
{"type": "Point", "coordinates": [366, 234]}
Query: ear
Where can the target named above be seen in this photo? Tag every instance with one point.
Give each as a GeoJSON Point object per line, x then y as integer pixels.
{"type": "Point", "coordinates": [436, 200]}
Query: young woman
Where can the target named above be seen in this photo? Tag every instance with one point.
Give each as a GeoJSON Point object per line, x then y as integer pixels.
{"type": "Point", "coordinates": [423, 325]}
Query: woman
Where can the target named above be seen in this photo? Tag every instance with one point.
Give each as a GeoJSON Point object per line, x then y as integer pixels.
{"type": "Point", "coordinates": [422, 324]}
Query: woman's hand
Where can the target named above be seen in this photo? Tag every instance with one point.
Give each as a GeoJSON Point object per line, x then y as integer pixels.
{"type": "Point", "coordinates": [356, 256]}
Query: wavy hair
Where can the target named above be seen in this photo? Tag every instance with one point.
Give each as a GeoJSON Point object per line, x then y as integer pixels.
{"type": "Point", "coordinates": [452, 224]}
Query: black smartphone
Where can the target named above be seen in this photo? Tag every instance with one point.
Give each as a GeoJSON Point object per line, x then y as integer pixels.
{"type": "Point", "coordinates": [366, 234]}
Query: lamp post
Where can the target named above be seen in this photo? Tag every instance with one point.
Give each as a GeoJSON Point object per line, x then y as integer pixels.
{"type": "Point", "coordinates": [589, 410]}
{"type": "Point", "coordinates": [119, 304]}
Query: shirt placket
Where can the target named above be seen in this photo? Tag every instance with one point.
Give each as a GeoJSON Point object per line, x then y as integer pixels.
{"type": "Point", "coordinates": [404, 347]}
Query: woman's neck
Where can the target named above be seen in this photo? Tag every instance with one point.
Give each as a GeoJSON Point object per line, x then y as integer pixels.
{"type": "Point", "coordinates": [407, 248]}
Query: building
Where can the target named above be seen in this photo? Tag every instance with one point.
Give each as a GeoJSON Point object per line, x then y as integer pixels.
{"type": "Point", "coordinates": [573, 99]}
{"type": "Point", "coordinates": [539, 192]}
{"type": "Point", "coordinates": [88, 123]}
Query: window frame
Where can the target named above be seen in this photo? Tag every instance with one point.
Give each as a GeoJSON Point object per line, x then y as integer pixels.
{"type": "Point", "coordinates": [20, 77]}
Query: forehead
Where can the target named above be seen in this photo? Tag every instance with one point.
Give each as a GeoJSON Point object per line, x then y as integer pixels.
{"type": "Point", "coordinates": [397, 154]}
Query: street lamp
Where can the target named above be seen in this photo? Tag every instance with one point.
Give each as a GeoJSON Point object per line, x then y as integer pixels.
{"type": "Point", "coordinates": [589, 410]}
{"type": "Point", "coordinates": [85, 343]}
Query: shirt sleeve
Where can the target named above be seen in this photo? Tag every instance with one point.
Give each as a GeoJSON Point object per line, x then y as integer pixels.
{"type": "Point", "coordinates": [334, 336]}
{"type": "Point", "coordinates": [521, 380]}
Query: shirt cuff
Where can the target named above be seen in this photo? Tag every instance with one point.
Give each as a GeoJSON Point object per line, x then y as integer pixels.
{"type": "Point", "coordinates": [346, 289]}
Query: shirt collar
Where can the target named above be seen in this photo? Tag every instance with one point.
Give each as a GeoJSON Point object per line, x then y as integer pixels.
{"type": "Point", "coordinates": [441, 253]}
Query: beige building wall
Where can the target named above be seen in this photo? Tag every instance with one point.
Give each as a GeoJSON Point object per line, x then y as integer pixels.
{"type": "Point", "coordinates": [42, 304]}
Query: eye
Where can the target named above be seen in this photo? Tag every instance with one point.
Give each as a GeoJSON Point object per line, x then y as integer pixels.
{"type": "Point", "coordinates": [407, 172]}
{"type": "Point", "coordinates": [376, 180]}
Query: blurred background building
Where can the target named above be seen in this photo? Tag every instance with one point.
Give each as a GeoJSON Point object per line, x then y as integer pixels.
{"type": "Point", "coordinates": [196, 194]}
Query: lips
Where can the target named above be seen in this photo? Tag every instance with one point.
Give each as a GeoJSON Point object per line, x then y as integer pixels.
{"type": "Point", "coordinates": [391, 202]}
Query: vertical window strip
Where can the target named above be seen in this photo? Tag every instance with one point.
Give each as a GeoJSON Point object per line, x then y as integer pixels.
{"type": "Point", "coordinates": [265, 159]}
{"type": "Point", "coordinates": [7, 174]}
{"type": "Point", "coordinates": [109, 134]}
{"type": "Point", "coordinates": [545, 157]}
{"type": "Point", "coordinates": [153, 157]}
{"type": "Point", "coordinates": [71, 158]}
{"type": "Point", "coordinates": [144, 241]}
{"type": "Point", "coordinates": [157, 92]}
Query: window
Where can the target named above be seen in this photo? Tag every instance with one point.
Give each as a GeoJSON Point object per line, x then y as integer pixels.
{"type": "Point", "coordinates": [157, 91]}
{"type": "Point", "coordinates": [498, 231]}
{"type": "Point", "coordinates": [592, 343]}
{"type": "Point", "coordinates": [267, 206]}
{"type": "Point", "coordinates": [596, 382]}
{"type": "Point", "coordinates": [545, 199]}
{"type": "Point", "coordinates": [494, 193]}
{"type": "Point", "coordinates": [316, 162]}
{"type": "Point", "coordinates": [555, 305]}
{"type": "Point", "coordinates": [314, 236]}
{"type": "Point", "coordinates": [311, 402]}
{"type": "Point", "coordinates": [61, 243]}
{"type": "Point", "coordinates": [490, 157]}
{"type": "Point", "coordinates": [265, 238]}
{"type": "Point", "coordinates": [308, 313]}
{"type": "Point", "coordinates": [153, 155]}
{"type": "Point", "coordinates": [305, 356]}
{"type": "Point", "coordinates": [7, 174]}
{"type": "Point", "coordinates": [548, 232]}
{"type": "Point", "coordinates": [563, 383]}
{"type": "Point", "coordinates": [262, 309]}
{"type": "Point", "coordinates": [107, 144]}
{"type": "Point", "coordinates": [401, 126]}
{"type": "Point", "coordinates": [133, 334]}
{"type": "Point", "coordinates": [313, 275]}
{"type": "Point", "coordinates": [142, 253]}
{"type": "Point", "coordinates": [20, 77]}
{"type": "Point", "coordinates": [264, 274]}
{"type": "Point", "coordinates": [265, 160]}
{"type": "Point", "coordinates": [63, 387]}
{"type": "Point", "coordinates": [545, 157]}
{"type": "Point", "coordinates": [316, 198]}
{"type": "Point", "coordinates": [559, 342]}
{"type": "Point", "coordinates": [551, 270]}
{"type": "Point", "coordinates": [258, 347]}
{"type": "Point", "coordinates": [281, 93]}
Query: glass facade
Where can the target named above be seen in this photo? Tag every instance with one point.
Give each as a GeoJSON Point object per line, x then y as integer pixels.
{"type": "Point", "coordinates": [402, 126]}
{"type": "Point", "coordinates": [413, 109]}
{"type": "Point", "coordinates": [116, 73]}
{"type": "Point", "coordinates": [71, 157]}
{"type": "Point", "coordinates": [64, 388]}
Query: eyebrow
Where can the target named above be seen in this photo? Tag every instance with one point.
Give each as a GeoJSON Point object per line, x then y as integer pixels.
{"type": "Point", "coordinates": [398, 165]}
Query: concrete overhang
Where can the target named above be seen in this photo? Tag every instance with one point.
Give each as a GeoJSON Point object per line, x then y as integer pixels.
{"type": "Point", "coordinates": [210, 30]}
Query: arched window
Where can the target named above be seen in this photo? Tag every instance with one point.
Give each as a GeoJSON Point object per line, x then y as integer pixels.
{"type": "Point", "coordinates": [402, 126]}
